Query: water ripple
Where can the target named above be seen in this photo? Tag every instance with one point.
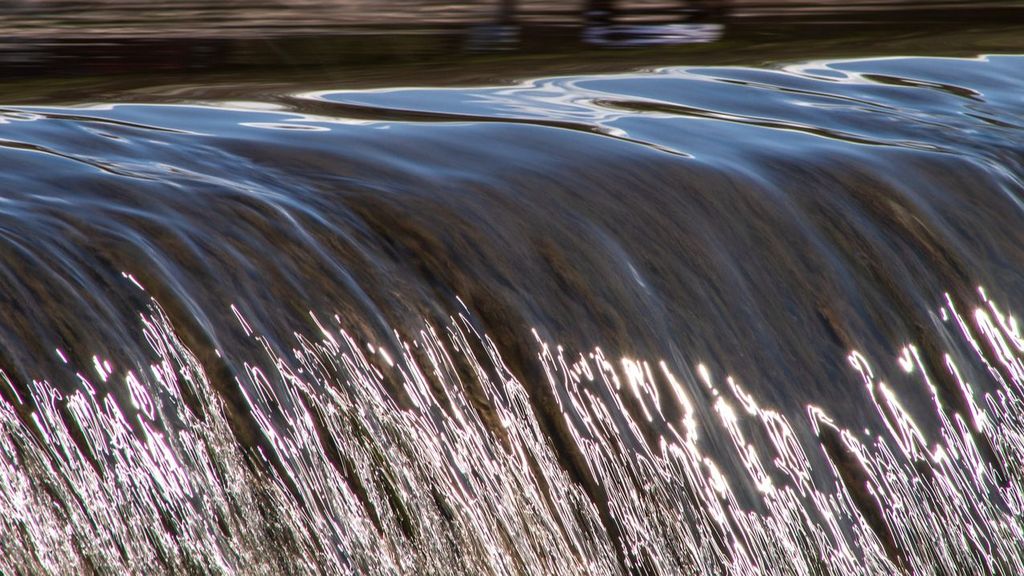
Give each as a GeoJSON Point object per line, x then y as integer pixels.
{"type": "Point", "coordinates": [685, 321]}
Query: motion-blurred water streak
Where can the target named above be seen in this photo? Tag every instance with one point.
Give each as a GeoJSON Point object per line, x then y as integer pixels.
{"type": "Point", "coordinates": [698, 320]}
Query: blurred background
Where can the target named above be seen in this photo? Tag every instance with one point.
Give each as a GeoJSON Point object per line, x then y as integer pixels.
{"type": "Point", "coordinates": [190, 18]}
{"type": "Point", "coordinates": [50, 48]}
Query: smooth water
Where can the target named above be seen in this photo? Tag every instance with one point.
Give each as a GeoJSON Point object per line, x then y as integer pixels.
{"type": "Point", "coordinates": [704, 319]}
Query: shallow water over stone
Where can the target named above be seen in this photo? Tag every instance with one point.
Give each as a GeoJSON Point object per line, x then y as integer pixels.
{"type": "Point", "coordinates": [685, 319]}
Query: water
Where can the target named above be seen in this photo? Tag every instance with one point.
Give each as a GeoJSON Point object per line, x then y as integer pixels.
{"type": "Point", "coordinates": [745, 305]}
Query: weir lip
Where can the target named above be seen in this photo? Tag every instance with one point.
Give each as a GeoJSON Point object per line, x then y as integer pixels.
{"type": "Point", "coordinates": [693, 319]}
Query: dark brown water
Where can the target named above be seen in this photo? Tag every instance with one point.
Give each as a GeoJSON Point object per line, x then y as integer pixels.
{"type": "Point", "coordinates": [722, 294]}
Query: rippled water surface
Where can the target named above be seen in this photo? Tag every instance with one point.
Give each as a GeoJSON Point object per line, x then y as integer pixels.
{"type": "Point", "coordinates": [744, 305]}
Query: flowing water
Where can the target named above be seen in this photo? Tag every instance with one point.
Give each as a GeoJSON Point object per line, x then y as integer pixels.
{"type": "Point", "coordinates": [539, 314]}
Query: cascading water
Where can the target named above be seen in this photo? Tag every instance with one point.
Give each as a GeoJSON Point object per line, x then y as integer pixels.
{"type": "Point", "coordinates": [694, 320]}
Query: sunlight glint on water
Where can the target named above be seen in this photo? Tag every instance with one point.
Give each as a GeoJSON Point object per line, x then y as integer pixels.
{"type": "Point", "coordinates": [368, 486]}
{"type": "Point", "coordinates": [757, 347]}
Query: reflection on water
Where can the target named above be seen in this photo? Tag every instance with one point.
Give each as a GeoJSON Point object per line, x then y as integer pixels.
{"type": "Point", "coordinates": [709, 319]}
{"type": "Point", "coordinates": [740, 224]}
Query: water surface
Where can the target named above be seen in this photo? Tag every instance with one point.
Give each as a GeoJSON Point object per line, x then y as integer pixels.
{"type": "Point", "coordinates": [664, 310]}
